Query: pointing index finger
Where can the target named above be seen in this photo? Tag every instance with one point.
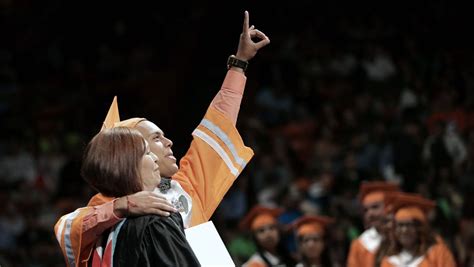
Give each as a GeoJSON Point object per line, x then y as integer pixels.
{"type": "Point", "coordinates": [246, 22]}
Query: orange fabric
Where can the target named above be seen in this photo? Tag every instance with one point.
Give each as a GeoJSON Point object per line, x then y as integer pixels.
{"type": "Point", "coordinates": [410, 213]}
{"type": "Point", "coordinates": [359, 256]}
{"type": "Point", "coordinates": [229, 97]}
{"type": "Point", "coordinates": [376, 186]}
{"type": "Point", "coordinates": [256, 211]}
{"type": "Point", "coordinates": [373, 197]}
{"type": "Point", "coordinates": [89, 223]}
{"type": "Point", "coordinates": [75, 234]}
{"type": "Point", "coordinates": [203, 173]}
{"type": "Point", "coordinates": [438, 256]}
{"type": "Point", "coordinates": [113, 115]}
{"type": "Point", "coordinates": [113, 118]}
{"type": "Point", "coordinates": [262, 220]}
{"type": "Point", "coordinates": [99, 199]}
{"type": "Point", "coordinates": [311, 224]}
{"type": "Point", "coordinates": [309, 229]}
{"type": "Point", "coordinates": [389, 199]}
{"type": "Point", "coordinates": [407, 206]}
{"type": "Point", "coordinates": [256, 264]}
{"type": "Point", "coordinates": [413, 200]}
{"type": "Point", "coordinates": [130, 123]}
{"type": "Point", "coordinates": [102, 217]}
{"type": "Point", "coordinates": [257, 261]}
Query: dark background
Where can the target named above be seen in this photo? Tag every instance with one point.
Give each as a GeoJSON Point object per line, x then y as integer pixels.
{"type": "Point", "coordinates": [319, 122]}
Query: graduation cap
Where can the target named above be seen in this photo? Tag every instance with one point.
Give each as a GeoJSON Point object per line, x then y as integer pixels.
{"type": "Point", "coordinates": [307, 225]}
{"type": "Point", "coordinates": [407, 206]}
{"type": "Point", "coordinates": [260, 216]}
{"type": "Point", "coordinates": [113, 118]}
{"type": "Point", "coordinates": [389, 200]}
{"type": "Point", "coordinates": [130, 123]}
{"type": "Point", "coordinates": [375, 191]}
{"type": "Point", "coordinates": [113, 115]}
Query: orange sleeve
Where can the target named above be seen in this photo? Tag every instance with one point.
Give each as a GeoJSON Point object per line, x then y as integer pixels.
{"type": "Point", "coordinates": [359, 256]}
{"type": "Point", "coordinates": [229, 97]}
{"type": "Point", "coordinates": [68, 232]}
{"type": "Point", "coordinates": [78, 231]}
{"type": "Point", "coordinates": [440, 256]}
{"type": "Point", "coordinates": [216, 157]}
{"type": "Point", "coordinates": [352, 259]}
{"type": "Point", "coordinates": [96, 222]}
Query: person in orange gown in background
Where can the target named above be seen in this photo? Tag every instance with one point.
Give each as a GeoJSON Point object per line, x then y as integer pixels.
{"type": "Point", "coordinates": [414, 243]}
{"type": "Point", "coordinates": [372, 196]}
{"type": "Point", "coordinates": [311, 235]}
{"type": "Point", "coordinates": [262, 223]}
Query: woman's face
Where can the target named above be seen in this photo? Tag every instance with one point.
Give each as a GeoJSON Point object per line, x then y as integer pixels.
{"type": "Point", "coordinates": [406, 232]}
{"type": "Point", "coordinates": [311, 246]}
{"type": "Point", "coordinates": [149, 171]}
{"type": "Point", "coordinates": [268, 236]}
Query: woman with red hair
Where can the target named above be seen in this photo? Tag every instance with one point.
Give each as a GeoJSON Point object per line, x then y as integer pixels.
{"type": "Point", "coordinates": [311, 235]}
{"type": "Point", "coordinates": [263, 224]}
{"type": "Point", "coordinates": [415, 244]}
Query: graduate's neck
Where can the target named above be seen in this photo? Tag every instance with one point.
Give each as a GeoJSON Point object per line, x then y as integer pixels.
{"type": "Point", "coordinates": [412, 248]}
{"type": "Point", "coordinates": [272, 251]}
{"type": "Point", "coordinates": [315, 261]}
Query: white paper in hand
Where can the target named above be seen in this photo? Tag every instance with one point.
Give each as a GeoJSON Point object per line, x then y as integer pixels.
{"type": "Point", "coordinates": [208, 245]}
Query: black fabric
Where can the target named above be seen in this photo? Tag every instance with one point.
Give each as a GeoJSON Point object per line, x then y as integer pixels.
{"type": "Point", "coordinates": [165, 185]}
{"type": "Point", "coordinates": [153, 240]}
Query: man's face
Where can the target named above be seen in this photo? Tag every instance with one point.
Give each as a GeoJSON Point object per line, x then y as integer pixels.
{"type": "Point", "coordinates": [160, 146]}
{"type": "Point", "coordinates": [373, 214]}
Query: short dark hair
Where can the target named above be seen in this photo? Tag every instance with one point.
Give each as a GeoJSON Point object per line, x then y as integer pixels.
{"type": "Point", "coordinates": [111, 162]}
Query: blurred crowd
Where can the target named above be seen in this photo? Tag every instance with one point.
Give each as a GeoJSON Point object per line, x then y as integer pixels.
{"type": "Point", "coordinates": [342, 95]}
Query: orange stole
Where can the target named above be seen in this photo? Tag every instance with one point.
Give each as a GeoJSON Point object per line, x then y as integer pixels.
{"type": "Point", "coordinates": [359, 256]}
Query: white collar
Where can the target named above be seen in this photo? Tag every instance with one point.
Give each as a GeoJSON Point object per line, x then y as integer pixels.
{"type": "Point", "coordinates": [274, 260]}
{"type": "Point", "coordinates": [370, 239]}
{"type": "Point", "coordinates": [405, 259]}
{"type": "Point", "coordinates": [180, 199]}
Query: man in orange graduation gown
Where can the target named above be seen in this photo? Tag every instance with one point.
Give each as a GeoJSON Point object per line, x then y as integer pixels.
{"type": "Point", "coordinates": [372, 196]}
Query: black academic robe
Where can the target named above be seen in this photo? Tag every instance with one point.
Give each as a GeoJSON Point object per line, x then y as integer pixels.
{"type": "Point", "coordinates": [153, 240]}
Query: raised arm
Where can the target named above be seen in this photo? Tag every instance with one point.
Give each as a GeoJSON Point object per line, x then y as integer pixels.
{"type": "Point", "coordinates": [229, 97]}
{"type": "Point", "coordinates": [217, 154]}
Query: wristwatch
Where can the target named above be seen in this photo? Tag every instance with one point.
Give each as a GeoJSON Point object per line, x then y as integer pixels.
{"type": "Point", "coordinates": [232, 61]}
